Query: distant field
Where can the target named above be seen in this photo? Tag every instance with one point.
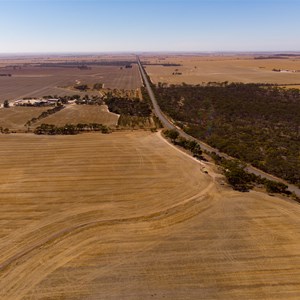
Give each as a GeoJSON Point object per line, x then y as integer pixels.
{"type": "Point", "coordinates": [34, 81]}
{"type": "Point", "coordinates": [199, 69]}
{"type": "Point", "coordinates": [127, 216]}
{"type": "Point", "coordinates": [12, 60]}
{"type": "Point", "coordinates": [74, 114]}
{"type": "Point", "coordinates": [14, 118]}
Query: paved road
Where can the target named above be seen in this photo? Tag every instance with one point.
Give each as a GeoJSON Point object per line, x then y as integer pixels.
{"type": "Point", "coordinates": [169, 125]}
{"type": "Point", "coordinates": [158, 112]}
{"type": "Point", "coordinates": [165, 121]}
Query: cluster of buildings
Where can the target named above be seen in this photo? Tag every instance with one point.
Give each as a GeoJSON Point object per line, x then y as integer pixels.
{"type": "Point", "coordinates": [35, 102]}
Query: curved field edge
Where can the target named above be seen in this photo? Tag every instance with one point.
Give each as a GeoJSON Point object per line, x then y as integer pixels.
{"type": "Point", "coordinates": [75, 114]}
{"type": "Point", "coordinates": [127, 216]}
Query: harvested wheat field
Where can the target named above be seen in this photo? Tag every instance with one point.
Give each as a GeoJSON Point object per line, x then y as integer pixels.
{"type": "Point", "coordinates": [233, 68]}
{"type": "Point", "coordinates": [75, 114]}
{"type": "Point", "coordinates": [127, 216]}
{"type": "Point", "coordinates": [38, 81]}
{"type": "Point", "coordinates": [14, 118]}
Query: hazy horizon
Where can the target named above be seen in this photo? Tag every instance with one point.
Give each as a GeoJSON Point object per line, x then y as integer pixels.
{"type": "Point", "coordinates": [77, 26]}
{"type": "Point", "coordinates": [133, 53]}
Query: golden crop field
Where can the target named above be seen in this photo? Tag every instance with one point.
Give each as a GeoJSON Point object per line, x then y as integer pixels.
{"type": "Point", "coordinates": [75, 114]}
{"type": "Point", "coordinates": [246, 69]}
{"type": "Point", "coordinates": [127, 216]}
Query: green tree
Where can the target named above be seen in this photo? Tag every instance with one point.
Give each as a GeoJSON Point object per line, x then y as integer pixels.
{"type": "Point", "coordinates": [6, 104]}
{"type": "Point", "coordinates": [275, 187]}
{"type": "Point", "coordinates": [172, 134]}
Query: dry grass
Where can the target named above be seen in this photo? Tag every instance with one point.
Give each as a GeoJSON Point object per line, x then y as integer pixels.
{"type": "Point", "coordinates": [198, 69]}
{"type": "Point", "coordinates": [126, 216]}
{"type": "Point", "coordinates": [74, 114]}
{"type": "Point", "coordinates": [14, 118]}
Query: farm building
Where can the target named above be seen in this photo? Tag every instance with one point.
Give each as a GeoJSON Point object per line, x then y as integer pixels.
{"type": "Point", "coordinates": [35, 102]}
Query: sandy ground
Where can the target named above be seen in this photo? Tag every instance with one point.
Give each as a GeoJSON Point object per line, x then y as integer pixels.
{"type": "Point", "coordinates": [199, 69]}
{"type": "Point", "coordinates": [126, 216]}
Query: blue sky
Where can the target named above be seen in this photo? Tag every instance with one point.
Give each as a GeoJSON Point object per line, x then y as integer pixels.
{"type": "Point", "coordinates": [140, 25]}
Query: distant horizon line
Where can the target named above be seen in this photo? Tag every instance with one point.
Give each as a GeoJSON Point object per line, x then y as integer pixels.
{"type": "Point", "coordinates": [220, 52]}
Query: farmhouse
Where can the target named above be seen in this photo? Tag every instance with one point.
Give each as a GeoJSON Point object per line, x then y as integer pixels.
{"type": "Point", "coordinates": [35, 102]}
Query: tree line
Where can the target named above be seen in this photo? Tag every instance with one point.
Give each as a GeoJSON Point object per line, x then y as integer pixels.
{"type": "Point", "coordinates": [70, 129]}
{"type": "Point", "coordinates": [182, 142]}
{"type": "Point", "coordinates": [256, 123]}
{"type": "Point", "coordinates": [234, 170]}
{"type": "Point", "coordinates": [45, 114]}
{"type": "Point", "coordinates": [243, 181]}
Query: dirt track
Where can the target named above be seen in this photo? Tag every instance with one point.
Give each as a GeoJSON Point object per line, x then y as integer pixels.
{"type": "Point", "coordinates": [126, 216]}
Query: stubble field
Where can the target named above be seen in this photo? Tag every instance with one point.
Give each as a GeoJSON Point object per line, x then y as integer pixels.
{"type": "Point", "coordinates": [15, 118]}
{"type": "Point", "coordinates": [75, 114]}
{"type": "Point", "coordinates": [127, 216]}
{"type": "Point", "coordinates": [200, 69]}
{"type": "Point", "coordinates": [32, 80]}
